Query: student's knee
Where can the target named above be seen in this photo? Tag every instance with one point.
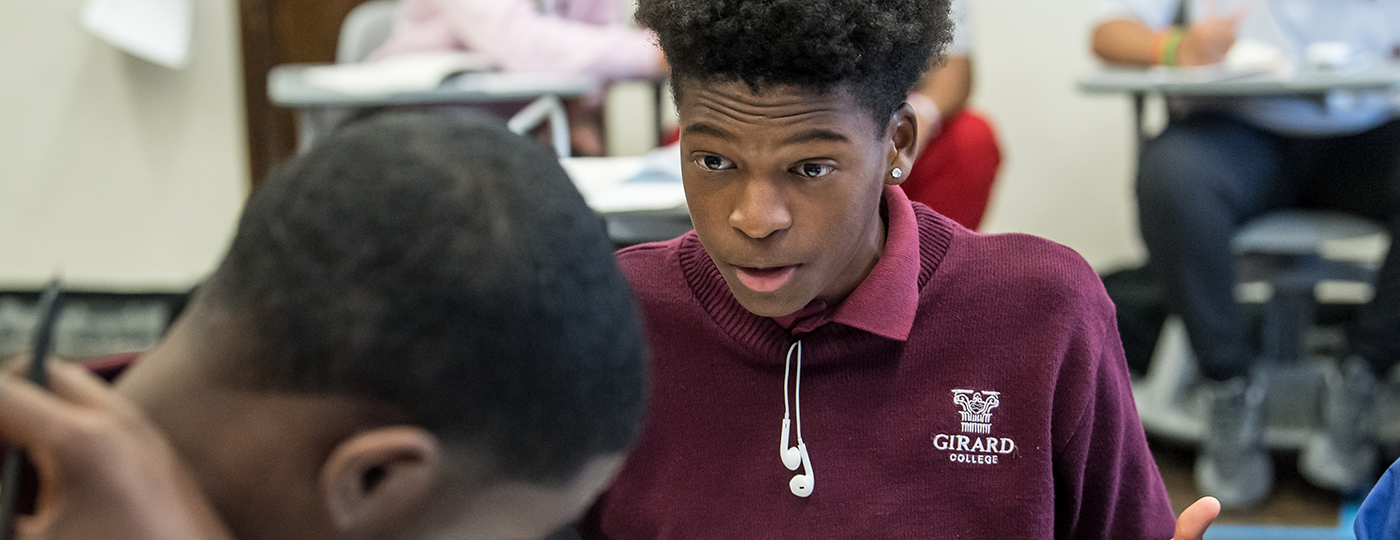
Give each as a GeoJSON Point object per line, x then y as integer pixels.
{"type": "Point", "coordinates": [1174, 171]}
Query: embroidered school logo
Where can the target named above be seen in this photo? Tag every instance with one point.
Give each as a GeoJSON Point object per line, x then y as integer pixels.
{"type": "Point", "coordinates": [980, 448]}
{"type": "Point", "coordinates": [976, 409]}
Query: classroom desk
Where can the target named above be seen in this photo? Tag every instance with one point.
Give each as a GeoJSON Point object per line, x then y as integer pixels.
{"type": "Point", "coordinates": [1204, 82]}
{"type": "Point", "coordinates": [635, 212]}
{"type": "Point", "coordinates": [1189, 82]}
{"type": "Point", "coordinates": [320, 109]}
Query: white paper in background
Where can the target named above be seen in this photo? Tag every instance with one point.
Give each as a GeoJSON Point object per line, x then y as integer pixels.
{"type": "Point", "coordinates": [155, 30]}
{"type": "Point", "coordinates": [630, 184]}
{"type": "Point", "coordinates": [403, 73]}
{"type": "Point", "coordinates": [1248, 55]}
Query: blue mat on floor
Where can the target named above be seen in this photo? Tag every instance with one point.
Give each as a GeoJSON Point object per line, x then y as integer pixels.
{"type": "Point", "coordinates": [1255, 532]}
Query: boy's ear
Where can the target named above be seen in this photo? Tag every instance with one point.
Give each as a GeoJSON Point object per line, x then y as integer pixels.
{"type": "Point", "coordinates": [382, 478]}
{"type": "Point", "coordinates": [902, 135]}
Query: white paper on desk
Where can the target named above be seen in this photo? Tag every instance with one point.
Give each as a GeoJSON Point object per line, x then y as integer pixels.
{"type": "Point", "coordinates": [656, 186]}
{"type": "Point", "coordinates": [1248, 55]}
{"type": "Point", "coordinates": [519, 83]}
{"type": "Point", "coordinates": [639, 197]}
{"type": "Point", "coordinates": [407, 73]}
{"type": "Point", "coordinates": [1246, 59]}
{"type": "Point", "coordinates": [660, 165]}
{"type": "Point", "coordinates": [155, 30]}
{"type": "Point", "coordinates": [630, 184]}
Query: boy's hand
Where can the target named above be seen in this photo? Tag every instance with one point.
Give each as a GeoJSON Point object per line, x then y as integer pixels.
{"type": "Point", "coordinates": [1196, 518]}
{"type": "Point", "coordinates": [105, 471]}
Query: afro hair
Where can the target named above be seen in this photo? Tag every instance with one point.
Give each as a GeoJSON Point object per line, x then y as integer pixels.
{"type": "Point", "coordinates": [878, 49]}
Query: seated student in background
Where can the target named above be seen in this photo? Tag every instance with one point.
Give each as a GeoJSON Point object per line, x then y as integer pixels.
{"type": "Point", "coordinates": [1221, 162]}
{"type": "Point", "coordinates": [1379, 515]}
{"type": "Point", "coordinates": [947, 384]}
{"type": "Point", "coordinates": [540, 36]}
{"type": "Point", "coordinates": [418, 332]}
{"type": "Point", "coordinates": [956, 147]}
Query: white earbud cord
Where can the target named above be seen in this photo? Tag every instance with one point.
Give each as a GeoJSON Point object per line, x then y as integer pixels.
{"type": "Point", "coordinates": [797, 391]}
{"type": "Point", "coordinates": [786, 370]}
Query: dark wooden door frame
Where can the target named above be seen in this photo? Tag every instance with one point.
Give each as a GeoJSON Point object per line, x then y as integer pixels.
{"type": "Point", "coordinates": [255, 21]}
{"type": "Point", "coordinates": [274, 32]}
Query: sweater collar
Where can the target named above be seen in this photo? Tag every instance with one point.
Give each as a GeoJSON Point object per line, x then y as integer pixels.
{"type": "Point", "coordinates": [765, 337]}
{"type": "Point", "coordinates": [885, 301]}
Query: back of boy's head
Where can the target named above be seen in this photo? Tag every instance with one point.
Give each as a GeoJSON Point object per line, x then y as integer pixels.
{"type": "Point", "coordinates": [449, 269]}
{"type": "Point", "coordinates": [877, 48]}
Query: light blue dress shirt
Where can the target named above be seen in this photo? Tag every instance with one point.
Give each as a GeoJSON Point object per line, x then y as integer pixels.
{"type": "Point", "coordinates": [1370, 27]}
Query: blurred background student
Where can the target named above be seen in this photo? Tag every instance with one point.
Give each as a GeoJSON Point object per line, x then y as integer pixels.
{"type": "Point", "coordinates": [541, 36]}
{"type": "Point", "coordinates": [1222, 161]}
{"type": "Point", "coordinates": [958, 151]}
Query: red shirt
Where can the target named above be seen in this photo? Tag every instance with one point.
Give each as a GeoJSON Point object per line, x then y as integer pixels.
{"type": "Point", "coordinates": [977, 390]}
{"type": "Point", "coordinates": [111, 366]}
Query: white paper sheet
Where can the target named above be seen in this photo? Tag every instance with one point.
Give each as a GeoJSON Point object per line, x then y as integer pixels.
{"type": "Point", "coordinates": [406, 73]}
{"type": "Point", "coordinates": [156, 30]}
{"type": "Point", "coordinates": [1255, 56]}
{"type": "Point", "coordinates": [630, 184]}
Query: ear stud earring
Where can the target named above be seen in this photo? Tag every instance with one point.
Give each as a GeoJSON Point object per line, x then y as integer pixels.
{"type": "Point", "coordinates": [897, 172]}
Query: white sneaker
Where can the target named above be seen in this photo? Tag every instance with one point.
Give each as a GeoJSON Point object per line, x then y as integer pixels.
{"type": "Point", "coordinates": [1342, 455]}
{"type": "Point", "coordinates": [1233, 465]}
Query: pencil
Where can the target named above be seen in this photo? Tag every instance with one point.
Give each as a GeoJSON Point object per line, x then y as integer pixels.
{"type": "Point", "coordinates": [49, 304]}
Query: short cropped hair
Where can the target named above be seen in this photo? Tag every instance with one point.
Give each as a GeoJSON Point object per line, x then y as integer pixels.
{"type": "Point", "coordinates": [449, 268]}
{"type": "Point", "coordinates": [877, 48]}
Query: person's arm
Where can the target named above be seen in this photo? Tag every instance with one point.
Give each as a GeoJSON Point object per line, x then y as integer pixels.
{"type": "Point", "coordinates": [1130, 42]}
{"type": "Point", "coordinates": [943, 94]}
{"type": "Point", "coordinates": [1122, 41]}
{"type": "Point", "coordinates": [105, 471]}
{"type": "Point", "coordinates": [1107, 485]}
{"type": "Point", "coordinates": [520, 38]}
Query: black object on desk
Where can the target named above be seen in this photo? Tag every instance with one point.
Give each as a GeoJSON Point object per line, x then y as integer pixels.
{"type": "Point", "coordinates": [49, 304]}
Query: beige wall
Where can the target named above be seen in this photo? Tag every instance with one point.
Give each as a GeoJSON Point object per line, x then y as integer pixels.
{"type": "Point", "coordinates": [117, 172]}
{"type": "Point", "coordinates": [1067, 157]}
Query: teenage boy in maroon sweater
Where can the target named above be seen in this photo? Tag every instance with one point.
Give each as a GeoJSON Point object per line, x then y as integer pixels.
{"type": "Point", "coordinates": [947, 384]}
{"type": "Point", "coordinates": [419, 332]}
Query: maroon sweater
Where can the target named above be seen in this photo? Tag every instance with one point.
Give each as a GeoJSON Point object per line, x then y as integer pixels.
{"type": "Point", "coordinates": [973, 386]}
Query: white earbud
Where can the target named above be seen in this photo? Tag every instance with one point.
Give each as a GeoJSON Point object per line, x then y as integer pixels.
{"type": "Point", "coordinates": [792, 457]}
{"type": "Point", "coordinates": [795, 456]}
{"type": "Point", "coordinates": [802, 484]}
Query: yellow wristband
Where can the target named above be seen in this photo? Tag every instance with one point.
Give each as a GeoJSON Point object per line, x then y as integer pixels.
{"type": "Point", "coordinates": [1171, 44]}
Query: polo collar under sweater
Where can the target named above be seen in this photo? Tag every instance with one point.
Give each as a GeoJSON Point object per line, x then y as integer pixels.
{"type": "Point", "coordinates": [883, 305]}
{"type": "Point", "coordinates": [885, 301]}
